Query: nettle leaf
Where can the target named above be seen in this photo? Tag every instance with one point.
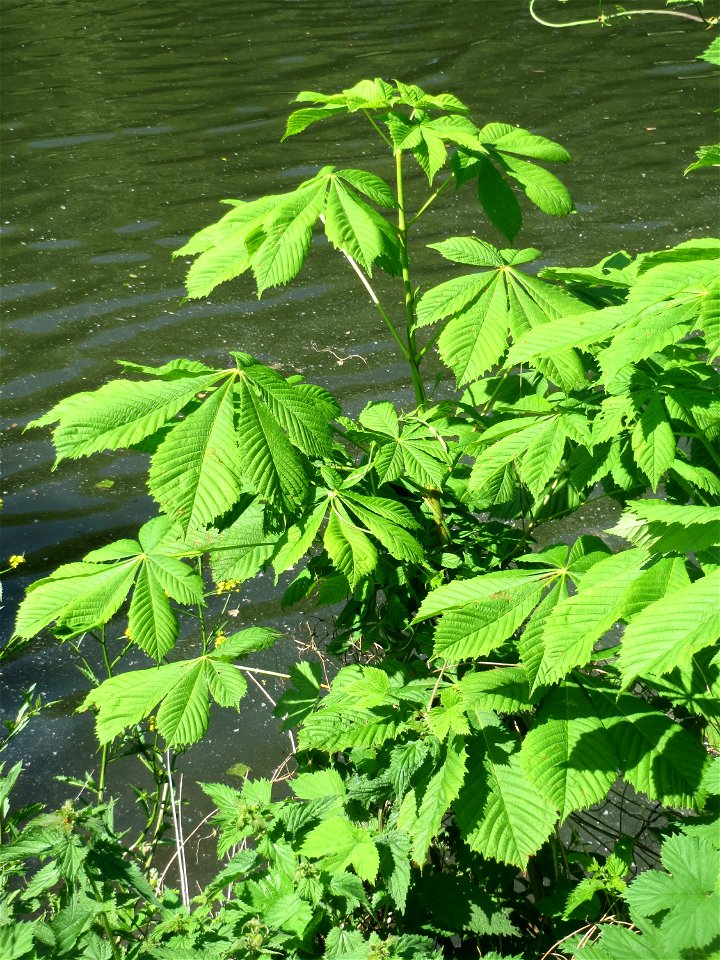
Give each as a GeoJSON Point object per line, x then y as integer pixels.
{"type": "Point", "coordinates": [669, 632]}
{"type": "Point", "coordinates": [576, 623]}
{"type": "Point", "coordinates": [663, 527]}
{"type": "Point", "coordinates": [657, 755]}
{"type": "Point", "coordinates": [685, 901]}
{"type": "Point", "coordinates": [568, 754]}
{"type": "Point", "coordinates": [439, 794]}
{"type": "Point", "coordinates": [121, 413]}
{"type": "Point", "coordinates": [181, 689]}
{"type": "Point", "coordinates": [338, 844]}
{"type": "Point", "coordinates": [195, 474]}
{"type": "Point", "coordinates": [500, 813]}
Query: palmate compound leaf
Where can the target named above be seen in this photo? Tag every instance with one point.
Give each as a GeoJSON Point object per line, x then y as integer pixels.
{"type": "Point", "coordinates": [568, 755]}
{"type": "Point", "coordinates": [669, 632]}
{"type": "Point", "coordinates": [657, 755]}
{"type": "Point", "coordinates": [499, 811]}
{"type": "Point", "coordinates": [83, 596]}
{"type": "Point", "coordinates": [181, 690]}
{"type": "Point", "coordinates": [481, 310]}
{"type": "Point", "coordinates": [121, 413]}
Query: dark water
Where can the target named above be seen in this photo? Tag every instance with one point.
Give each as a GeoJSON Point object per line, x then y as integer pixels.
{"type": "Point", "coordinates": [124, 124]}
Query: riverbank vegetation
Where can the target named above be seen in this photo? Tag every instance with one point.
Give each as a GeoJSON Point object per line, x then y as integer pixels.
{"type": "Point", "coordinates": [486, 682]}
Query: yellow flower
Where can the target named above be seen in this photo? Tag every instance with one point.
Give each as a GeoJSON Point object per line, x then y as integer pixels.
{"type": "Point", "coordinates": [220, 639]}
{"type": "Point", "coordinates": [15, 560]}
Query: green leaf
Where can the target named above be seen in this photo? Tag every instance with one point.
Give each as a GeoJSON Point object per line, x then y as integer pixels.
{"type": "Point", "coordinates": [341, 844]}
{"type": "Point", "coordinates": [669, 632]}
{"type": "Point", "coordinates": [469, 250]}
{"type": "Point", "coordinates": [541, 187]}
{"type": "Point", "coordinates": [685, 902]}
{"type": "Point", "coordinates": [657, 755]}
{"type": "Point", "coordinates": [348, 547]}
{"type": "Point", "coordinates": [450, 297]}
{"type": "Point", "coordinates": [576, 623]}
{"type": "Point", "coordinates": [501, 690]}
{"type": "Point", "coordinates": [287, 235]}
{"type": "Point", "coordinates": [152, 625]}
{"type": "Point", "coordinates": [543, 456]}
{"type": "Point", "coordinates": [300, 120]}
{"type": "Point", "coordinates": [180, 688]}
{"type": "Point", "coordinates": [568, 754]}
{"type": "Point", "coordinates": [301, 416]}
{"type": "Point", "coordinates": [493, 459]}
{"type": "Point", "coordinates": [477, 628]}
{"type": "Point", "coordinates": [267, 459]}
{"type": "Point", "coordinates": [499, 812]}
{"type": "Point", "coordinates": [464, 593]}
{"type": "Point", "coordinates": [653, 441]}
{"type": "Point", "coordinates": [710, 316]}
{"type": "Point", "coordinates": [498, 200]}
{"type": "Point", "coordinates": [298, 539]}
{"type": "Point", "coordinates": [351, 225]}
{"type": "Point", "coordinates": [708, 156]}
{"type": "Point", "coordinates": [381, 418]}
{"type": "Point", "coordinates": [517, 140]}
{"type": "Point", "coordinates": [475, 339]}
{"type": "Point", "coordinates": [79, 596]}
{"type": "Point", "coordinates": [244, 642]}
{"type": "Point", "coordinates": [119, 414]}
{"type": "Point", "coordinates": [439, 794]}
{"type": "Point", "coordinates": [194, 475]}
{"type": "Point", "coordinates": [663, 527]}
{"type": "Point", "coordinates": [371, 185]}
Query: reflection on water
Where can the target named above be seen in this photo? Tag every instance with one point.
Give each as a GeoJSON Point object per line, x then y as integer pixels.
{"type": "Point", "coordinates": [125, 124]}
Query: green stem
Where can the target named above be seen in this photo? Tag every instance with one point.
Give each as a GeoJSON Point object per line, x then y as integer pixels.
{"type": "Point", "coordinates": [377, 129]}
{"type": "Point", "coordinates": [418, 387]}
{"type": "Point", "coordinates": [103, 916]}
{"type": "Point", "coordinates": [103, 767]}
{"type": "Point", "coordinates": [607, 17]}
{"type": "Point", "coordinates": [431, 199]}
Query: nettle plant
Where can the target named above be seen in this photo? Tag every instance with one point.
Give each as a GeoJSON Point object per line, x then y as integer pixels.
{"type": "Point", "coordinates": [487, 690]}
